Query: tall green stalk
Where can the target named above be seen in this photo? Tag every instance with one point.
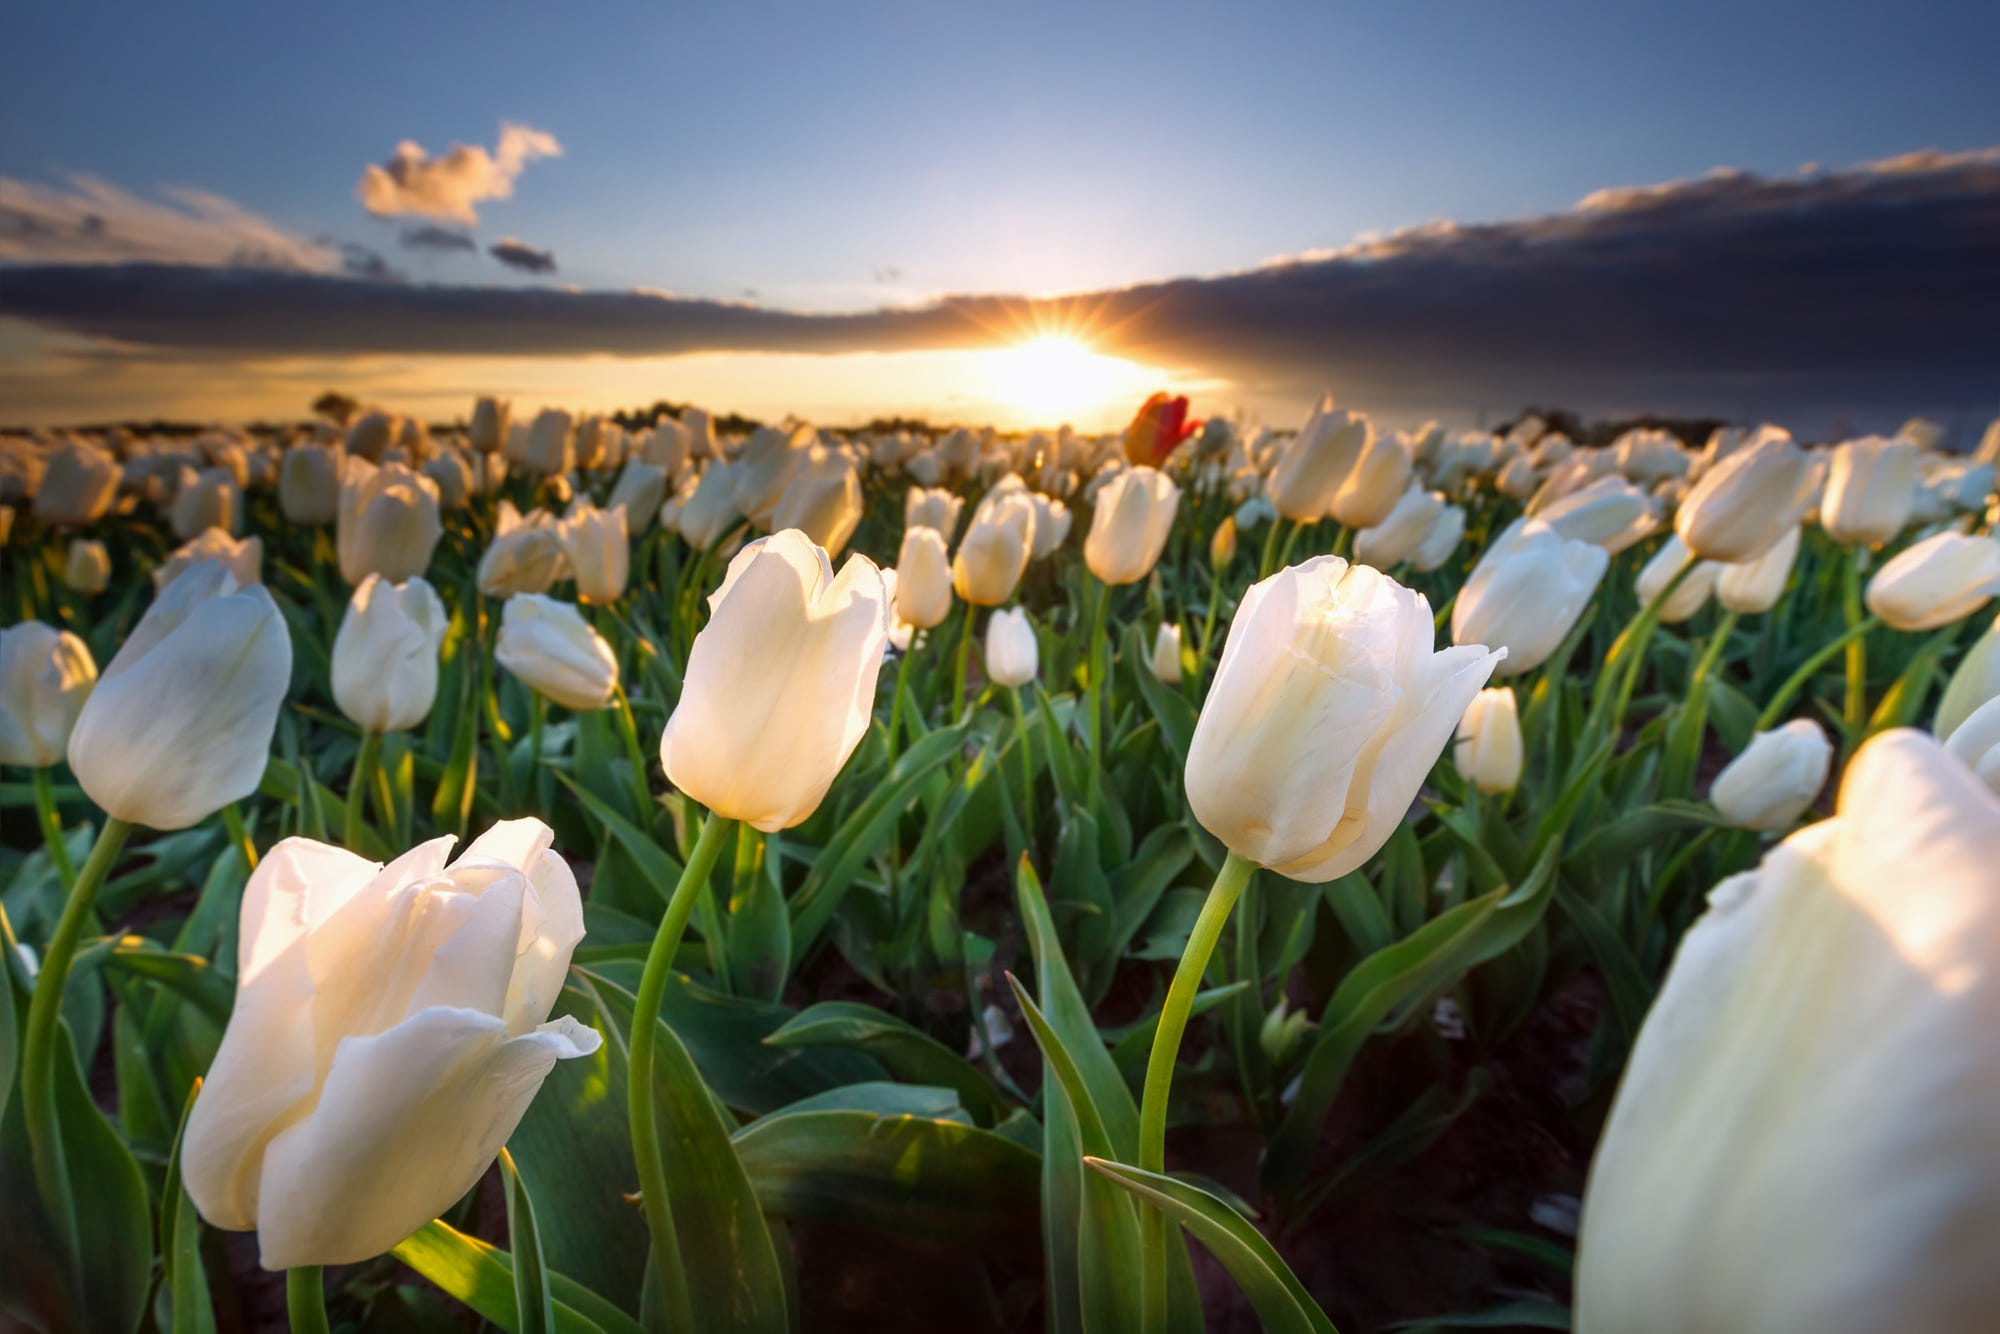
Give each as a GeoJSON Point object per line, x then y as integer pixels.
{"type": "Point", "coordinates": [896, 701]}
{"type": "Point", "coordinates": [1094, 691]}
{"type": "Point", "coordinates": [1027, 766]}
{"type": "Point", "coordinates": [51, 821]}
{"type": "Point", "coordinates": [305, 1300]}
{"type": "Point", "coordinates": [366, 760]}
{"type": "Point", "coordinates": [964, 664]}
{"type": "Point", "coordinates": [1855, 712]}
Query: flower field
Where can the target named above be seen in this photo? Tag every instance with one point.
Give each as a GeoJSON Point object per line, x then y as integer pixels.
{"type": "Point", "coordinates": [612, 875]}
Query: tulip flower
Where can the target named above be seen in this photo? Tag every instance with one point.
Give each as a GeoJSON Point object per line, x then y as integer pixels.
{"type": "Point", "coordinates": [244, 558]}
{"type": "Point", "coordinates": [1775, 779]}
{"type": "Point", "coordinates": [77, 485]}
{"type": "Point", "coordinates": [1446, 532]}
{"type": "Point", "coordinates": [1870, 487]}
{"type": "Point", "coordinates": [822, 499]}
{"type": "Point", "coordinates": [764, 467]}
{"type": "Point", "coordinates": [555, 652]}
{"type": "Point", "coordinates": [599, 553]}
{"type": "Point", "coordinates": [1610, 512]}
{"type": "Point", "coordinates": [525, 556]}
{"type": "Point", "coordinates": [993, 554]}
{"type": "Point", "coordinates": [1129, 527]}
{"type": "Point", "coordinates": [1976, 680]}
{"type": "Point", "coordinates": [1327, 712]}
{"type": "Point", "coordinates": [490, 419]}
{"type": "Point", "coordinates": [1012, 659]}
{"type": "Point", "coordinates": [1052, 524]}
{"type": "Point", "coordinates": [87, 567]}
{"type": "Point", "coordinates": [1688, 596]}
{"type": "Point", "coordinates": [1518, 479]}
{"type": "Point", "coordinates": [1526, 593]}
{"type": "Point", "coordinates": [1754, 586]}
{"type": "Point", "coordinates": [388, 522]}
{"type": "Point", "coordinates": [1157, 429]}
{"type": "Point", "coordinates": [309, 484]}
{"type": "Point", "coordinates": [1804, 1138]}
{"type": "Point", "coordinates": [180, 723]}
{"type": "Point", "coordinates": [205, 500]}
{"type": "Point", "coordinates": [1315, 463]}
{"type": "Point", "coordinates": [451, 475]}
{"type": "Point", "coordinates": [1944, 578]}
{"type": "Point", "coordinates": [779, 684]}
{"type": "Point", "coordinates": [45, 676]}
{"type": "Point", "coordinates": [711, 511]}
{"type": "Point", "coordinates": [1976, 741]}
{"type": "Point", "coordinates": [923, 578]}
{"type": "Point", "coordinates": [1222, 547]}
{"type": "Point", "coordinates": [371, 434]}
{"type": "Point", "coordinates": [932, 509]}
{"type": "Point", "coordinates": [545, 449]}
{"type": "Point", "coordinates": [1743, 505]}
{"type": "Point", "coordinates": [1392, 541]}
{"type": "Point", "coordinates": [641, 489]}
{"type": "Point", "coordinates": [1166, 659]}
{"type": "Point", "coordinates": [1370, 491]}
{"type": "Point", "coordinates": [1488, 752]}
{"type": "Point", "coordinates": [391, 1026]}
{"type": "Point", "coordinates": [385, 656]}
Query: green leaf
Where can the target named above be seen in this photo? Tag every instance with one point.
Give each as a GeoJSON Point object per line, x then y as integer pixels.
{"type": "Point", "coordinates": [907, 1053]}
{"type": "Point", "coordinates": [760, 928]}
{"type": "Point", "coordinates": [1624, 979]}
{"type": "Point", "coordinates": [661, 870]}
{"type": "Point", "coordinates": [534, 1308]}
{"type": "Point", "coordinates": [482, 1276]}
{"type": "Point", "coordinates": [1280, 1300]}
{"type": "Point", "coordinates": [188, 976]}
{"type": "Point", "coordinates": [881, 1097]}
{"type": "Point", "coordinates": [180, 1247]}
{"type": "Point", "coordinates": [1170, 707]}
{"type": "Point", "coordinates": [1530, 1313]}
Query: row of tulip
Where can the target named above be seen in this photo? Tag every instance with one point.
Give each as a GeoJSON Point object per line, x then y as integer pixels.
{"type": "Point", "coordinates": [1213, 742]}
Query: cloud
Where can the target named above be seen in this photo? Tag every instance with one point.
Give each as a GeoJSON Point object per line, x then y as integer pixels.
{"type": "Point", "coordinates": [448, 187]}
{"type": "Point", "coordinates": [1870, 289]}
{"type": "Point", "coordinates": [430, 236]}
{"type": "Point", "coordinates": [90, 221]}
{"type": "Point", "coordinates": [520, 255]}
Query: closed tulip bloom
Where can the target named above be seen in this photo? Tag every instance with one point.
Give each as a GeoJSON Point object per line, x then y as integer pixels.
{"type": "Point", "coordinates": [1754, 586]}
{"type": "Point", "coordinates": [1012, 658]}
{"type": "Point", "coordinates": [1944, 578]}
{"type": "Point", "coordinates": [1373, 486]}
{"type": "Point", "coordinates": [1870, 487]}
{"type": "Point", "coordinates": [764, 467]}
{"type": "Point", "coordinates": [1976, 680]}
{"type": "Point", "coordinates": [525, 556]}
{"type": "Point", "coordinates": [994, 551]}
{"type": "Point", "coordinates": [1447, 531]}
{"type": "Point", "coordinates": [1518, 479]}
{"type": "Point", "coordinates": [1129, 527]}
{"type": "Point", "coordinates": [1804, 1136]}
{"type": "Point", "coordinates": [1526, 593]}
{"type": "Point", "coordinates": [45, 676]}
{"type": "Point", "coordinates": [1397, 537]}
{"type": "Point", "coordinates": [490, 419]}
{"type": "Point", "coordinates": [385, 657]}
{"type": "Point", "coordinates": [371, 434]}
{"type": "Point", "coordinates": [180, 723]}
{"type": "Point", "coordinates": [1316, 462]}
{"type": "Point", "coordinates": [77, 486]}
{"type": "Point", "coordinates": [1222, 547]}
{"type": "Point", "coordinates": [1488, 752]}
{"type": "Point", "coordinates": [1327, 712]}
{"type": "Point", "coordinates": [545, 449]}
{"type": "Point", "coordinates": [923, 578]}
{"type": "Point", "coordinates": [1166, 659]}
{"type": "Point", "coordinates": [711, 511]}
{"type": "Point", "coordinates": [597, 550]}
{"type": "Point", "coordinates": [452, 476]}
{"type": "Point", "coordinates": [87, 568]}
{"type": "Point", "coordinates": [244, 558]}
{"type": "Point", "coordinates": [822, 499]}
{"type": "Point", "coordinates": [1690, 595]}
{"type": "Point", "coordinates": [1744, 504]}
{"type": "Point", "coordinates": [932, 508]}
{"type": "Point", "coordinates": [641, 490]}
{"type": "Point", "coordinates": [1770, 785]}
{"type": "Point", "coordinates": [556, 652]}
{"type": "Point", "coordinates": [309, 484]}
{"type": "Point", "coordinates": [388, 522]}
{"type": "Point", "coordinates": [780, 682]}
{"type": "Point", "coordinates": [1052, 524]}
{"type": "Point", "coordinates": [390, 1028]}
{"type": "Point", "coordinates": [1610, 512]}
{"type": "Point", "coordinates": [207, 499]}
{"type": "Point", "coordinates": [1976, 742]}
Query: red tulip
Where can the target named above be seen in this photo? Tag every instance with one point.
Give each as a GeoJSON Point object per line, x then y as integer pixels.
{"type": "Point", "coordinates": [1161, 424]}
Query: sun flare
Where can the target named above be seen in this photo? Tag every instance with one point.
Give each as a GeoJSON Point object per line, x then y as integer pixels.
{"type": "Point", "coordinates": [1053, 379]}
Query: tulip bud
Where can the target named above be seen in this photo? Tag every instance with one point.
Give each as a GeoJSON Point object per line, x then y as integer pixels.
{"type": "Point", "coordinates": [77, 485]}
{"type": "Point", "coordinates": [1870, 487]}
{"type": "Point", "coordinates": [385, 657]}
{"type": "Point", "coordinates": [371, 434]}
{"type": "Point", "coordinates": [994, 551]}
{"type": "Point", "coordinates": [451, 475]}
{"type": "Point", "coordinates": [1976, 681]}
{"type": "Point", "coordinates": [205, 500]}
{"type": "Point", "coordinates": [1393, 541]}
{"type": "Point", "coordinates": [1052, 522]}
{"type": "Point", "coordinates": [1754, 586]}
{"type": "Point", "coordinates": [641, 489]}
{"type": "Point", "coordinates": [389, 1030]}
{"type": "Point", "coordinates": [1744, 504]}
{"type": "Point", "coordinates": [180, 723]}
{"type": "Point", "coordinates": [923, 578]}
{"type": "Point", "coordinates": [555, 652]}
{"type": "Point", "coordinates": [309, 484]}
{"type": "Point", "coordinates": [1518, 479]}
{"type": "Point", "coordinates": [1488, 753]}
{"type": "Point", "coordinates": [1129, 527]}
{"type": "Point", "coordinates": [388, 522]}
{"type": "Point", "coordinates": [88, 567]}
{"type": "Point", "coordinates": [599, 553]}
{"type": "Point", "coordinates": [822, 499]}
{"type": "Point", "coordinates": [1976, 741]}
{"type": "Point", "coordinates": [1944, 578]}
{"type": "Point", "coordinates": [1315, 463]}
{"type": "Point", "coordinates": [45, 676]}
{"type": "Point", "coordinates": [1327, 712]}
{"type": "Point", "coordinates": [525, 556]}
{"type": "Point", "coordinates": [1447, 530]}
{"type": "Point", "coordinates": [1526, 593]}
{"type": "Point", "coordinates": [1690, 595]}
{"type": "Point", "coordinates": [1012, 658]}
{"type": "Point", "coordinates": [1166, 659]}
{"type": "Point", "coordinates": [1775, 779]}
{"type": "Point", "coordinates": [1610, 512]}
{"type": "Point", "coordinates": [1804, 1136]}
{"type": "Point", "coordinates": [931, 509]}
{"type": "Point", "coordinates": [1282, 1031]}
{"type": "Point", "coordinates": [1222, 547]}
{"type": "Point", "coordinates": [790, 651]}
{"type": "Point", "coordinates": [545, 449]}
{"type": "Point", "coordinates": [1373, 486]}
{"type": "Point", "coordinates": [490, 418]}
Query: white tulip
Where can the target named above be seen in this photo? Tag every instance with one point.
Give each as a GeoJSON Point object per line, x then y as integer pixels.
{"type": "Point", "coordinates": [309, 484]}
{"type": "Point", "coordinates": [1446, 532]}
{"type": "Point", "coordinates": [993, 554]}
{"type": "Point", "coordinates": [552, 648]}
{"type": "Point", "coordinates": [936, 508]}
{"type": "Point", "coordinates": [1944, 578]}
{"type": "Point", "coordinates": [388, 522]}
{"type": "Point", "coordinates": [1610, 512]}
{"type": "Point", "coordinates": [711, 511]}
{"type": "Point", "coordinates": [1012, 659]}
{"type": "Point", "coordinates": [45, 676]}
{"type": "Point", "coordinates": [1690, 595]}
{"type": "Point", "coordinates": [923, 578]}
{"type": "Point", "coordinates": [822, 499]}
{"type": "Point", "coordinates": [1399, 536]}
{"type": "Point", "coordinates": [385, 656]}
{"type": "Point", "coordinates": [1976, 680]}
{"type": "Point", "coordinates": [452, 475]}
{"type": "Point", "coordinates": [597, 549]}
{"type": "Point", "coordinates": [1754, 586]}
{"type": "Point", "coordinates": [1316, 462]}
{"type": "Point", "coordinates": [1129, 527]}
{"type": "Point", "coordinates": [1976, 741]}
{"type": "Point", "coordinates": [641, 490]}
{"type": "Point", "coordinates": [87, 567]}
{"type": "Point", "coordinates": [1870, 488]}
{"type": "Point", "coordinates": [1166, 659]}
{"type": "Point", "coordinates": [245, 559]}
{"type": "Point", "coordinates": [1744, 504]}
{"type": "Point", "coordinates": [1526, 593]}
{"type": "Point", "coordinates": [204, 500]}
{"type": "Point", "coordinates": [545, 448]}
{"type": "Point", "coordinates": [78, 484]}
{"type": "Point", "coordinates": [1488, 753]}
{"type": "Point", "coordinates": [1770, 785]}
{"type": "Point", "coordinates": [490, 420]}
{"type": "Point", "coordinates": [525, 556]}
{"type": "Point", "coordinates": [1052, 524]}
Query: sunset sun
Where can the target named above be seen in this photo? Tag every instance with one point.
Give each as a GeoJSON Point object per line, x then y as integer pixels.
{"type": "Point", "coordinates": [1054, 378]}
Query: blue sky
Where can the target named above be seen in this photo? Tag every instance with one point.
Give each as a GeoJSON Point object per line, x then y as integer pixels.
{"type": "Point", "coordinates": [844, 156]}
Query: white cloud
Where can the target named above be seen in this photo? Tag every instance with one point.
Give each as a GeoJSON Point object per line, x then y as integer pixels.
{"type": "Point", "coordinates": [86, 220]}
{"type": "Point", "coordinates": [448, 186]}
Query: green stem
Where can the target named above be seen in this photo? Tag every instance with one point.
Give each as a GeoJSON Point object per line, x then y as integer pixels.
{"type": "Point", "coordinates": [1291, 540]}
{"type": "Point", "coordinates": [1208, 622]}
{"type": "Point", "coordinates": [239, 834]}
{"type": "Point", "coordinates": [1269, 557]}
{"type": "Point", "coordinates": [628, 728]}
{"type": "Point", "coordinates": [305, 1300]}
{"type": "Point", "coordinates": [1627, 659]}
{"type": "Point", "coordinates": [1855, 713]}
{"type": "Point", "coordinates": [358, 783]}
{"type": "Point", "coordinates": [38, 1045]}
{"type": "Point", "coordinates": [52, 835]}
{"type": "Point", "coordinates": [1222, 896]}
{"type": "Point", "coordinates": [639, 1088]}
{"type": "Point", "coordinates": [1027, 767]}
{"type": "Point", "coordinates": [538, 716]}
{"type": "Point", "coordinates": [896, 701]}
{"type": "Point", "coordinates": [1094, 693]}
{"type": "Point", "coordinates": [964, 666]}
{"type": "Point", "coordinates": [1782, 700]}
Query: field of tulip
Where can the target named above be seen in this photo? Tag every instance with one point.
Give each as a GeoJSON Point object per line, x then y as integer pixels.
{"type": "Point", "coordinates": [586, 876]}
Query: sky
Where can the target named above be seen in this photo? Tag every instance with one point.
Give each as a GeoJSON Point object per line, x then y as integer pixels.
{"type": "Point", "coordinates": [833, 161]}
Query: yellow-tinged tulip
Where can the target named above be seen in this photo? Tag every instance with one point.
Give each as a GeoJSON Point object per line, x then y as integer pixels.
{"type": "Point", "coordinates": [1488, 752]}
{"type": "Point", "coordinates": [390, 1027]}
{"type": "Point", "coordinates": [1944, 578]}
{"type": "Point", "coordinates": [1526, 593]}
{"type": "Point", "coordinates": [525, 556]}
{"type": "Point", "coordinates": [641, 489]}
{"type": "Point", "coordinates": [545, 447]}
{"type": "Point", "coordinates": [1222, 547]}
{"type": "Point", "coordinates": [1976, 680]}
{"type": "Point", "coordinates": [385, 656]}
{"type": "Point", "coordinates": [933, 508]}
{"type": "Point", "coordinates": [1870, 488]}
{"type": "Point", "coordinates": [371, 435]}
{"type": "Point", "coordinates": [779, 684]}
{"type": "Point", "coordinates": [1804, 1136]}
{"type": "Point", "coordinates": [555, 652]}
{"type": "Point", "coordinates": [597, 549]}
{"type": "Point", "coordinates": [1052, 524]}
{"type": "Point", "coordinates": [45, 676]}
{"type": "Point", "coordinates": [923, 578]}
{"type": "Point", "coordinates": [490, 419]}
{"type": "Point", "coordinates": [1610, 512]}
{"type": "Point", "coordinates": [77, 485]}
{"type": "Point", "coordinates": [205, 500]}
{"type": "Point", "coordinates": [822, 499]}
{"type": "Point", "coordinates": [87, 568]}
{"type": "Point", "coordinates": [1395, 539]}
{"type": "Point", "coordinates": [180, 723]}
{"type": "Point", "coordinates": [1327, 712]}
{"type": "Point", "coordinates": [1743, 505]}
{"type": "Point", "coordinates": [1690, 595]}
{"type": "Point", "coordinates": [994, 551]}
{"type": "Point", "coordinates": [1166, 659]}
{"type": "Point", "coordinates": [1770, 785]}
{"type": "Point", "coordinates": [388, 522]}
{"type": "Point", "coordinates": [1128, 529]}
{"type": "Point", "coordinates": [309, 484]}
{"type": "Point", "coordinates": [1374, 484]}
{"type": "Point", "coordinates": [452, 475]}
{"type": "Point", "coordinates": [1316, 462]}
{"type": "Point", "coordinates": [1754, 586]}
{"type": "Point", "coordinates": [1012, 659]}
